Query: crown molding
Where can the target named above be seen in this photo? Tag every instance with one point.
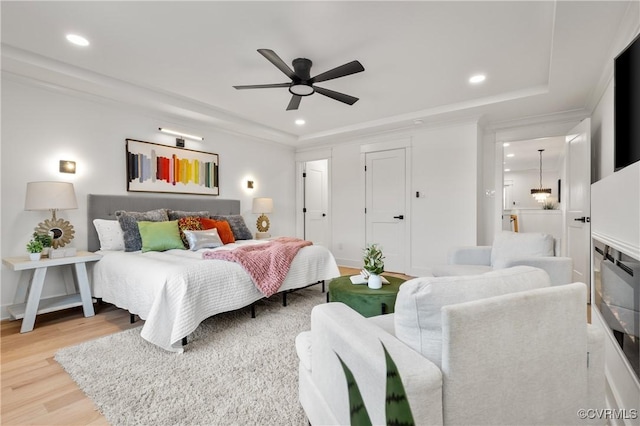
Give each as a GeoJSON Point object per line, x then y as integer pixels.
{"type": "Point", "coordinates": [56, 75]}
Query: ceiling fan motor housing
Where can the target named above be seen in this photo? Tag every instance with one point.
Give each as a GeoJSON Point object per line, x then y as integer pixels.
{"type": "Point", "coordinates": [302, 85]}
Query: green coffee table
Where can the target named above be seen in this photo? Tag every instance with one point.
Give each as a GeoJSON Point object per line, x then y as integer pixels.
{"type": "Point", "coordinates": [362, 299]}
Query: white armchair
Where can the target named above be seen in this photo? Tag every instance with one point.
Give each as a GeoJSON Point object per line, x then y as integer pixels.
{"type": "Point", "coordinates": [509, 249]}
{"type": "Point", "coordinates": [498, 348]}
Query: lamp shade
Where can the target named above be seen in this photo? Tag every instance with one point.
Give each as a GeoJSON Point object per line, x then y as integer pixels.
{"type": "Point", "coordinates": [262, 205]}
{"type": "Point", "coordinates": [50, 196]}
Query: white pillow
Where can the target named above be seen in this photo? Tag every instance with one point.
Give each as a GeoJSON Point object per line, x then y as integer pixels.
{"type": "Point", "coordinates": [110, 234]}
{"type": "Point", "coordinates": [418, 321]}
{"type": "Point", "coordinates": [203, 239]}
{"type": "Point", "coordinates": [514, 245]}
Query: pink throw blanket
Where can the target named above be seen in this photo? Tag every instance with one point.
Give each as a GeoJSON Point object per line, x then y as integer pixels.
{"type": "Point", "coordinates": [267, 264]}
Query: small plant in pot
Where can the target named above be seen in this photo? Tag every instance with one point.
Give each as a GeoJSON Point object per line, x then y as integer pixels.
{"type": "Point", "coordinates": [34, 247]}
{"type": "Point", "coordinates": [46, 240]}
{"type": "Point", "coordinates": [374, 265]}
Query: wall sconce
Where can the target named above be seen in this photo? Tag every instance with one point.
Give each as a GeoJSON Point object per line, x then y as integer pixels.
{"type": "Point", "coordinates": [250, 184]}
{"type": "Point", "coordinates": [180, 134]}
{"type": "Point", "coordinates": [67, 166]}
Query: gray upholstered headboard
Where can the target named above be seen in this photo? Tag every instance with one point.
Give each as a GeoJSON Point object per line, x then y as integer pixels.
{"type": "Point", "coordinates": [105, 207]}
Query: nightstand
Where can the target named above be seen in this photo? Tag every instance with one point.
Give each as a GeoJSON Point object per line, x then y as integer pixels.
{"type": "Point", "coordinates": [27, 302]}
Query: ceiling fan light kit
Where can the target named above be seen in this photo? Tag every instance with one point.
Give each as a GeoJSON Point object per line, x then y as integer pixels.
{"type": "Point", "coordinates": [302, 84]}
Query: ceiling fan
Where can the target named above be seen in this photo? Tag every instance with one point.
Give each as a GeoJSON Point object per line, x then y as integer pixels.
{"type": "Point", "coordinates": [302, 84]}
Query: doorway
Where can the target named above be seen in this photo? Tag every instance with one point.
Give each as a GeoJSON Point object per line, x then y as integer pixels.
{"type": "Point", "coordinates": [385, 205]}
{"type": "Point", "coordinates": [566, 171]}
{"type": "Point", "coordinates": [315, 199]}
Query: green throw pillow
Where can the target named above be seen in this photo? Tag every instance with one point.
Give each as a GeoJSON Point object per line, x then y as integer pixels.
{"type": "Point", "coordinates": [160, 236]}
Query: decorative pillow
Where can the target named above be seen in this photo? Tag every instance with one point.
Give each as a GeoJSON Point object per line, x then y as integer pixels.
{"type": "Point", "coordinates": [238, 226]}
{"type": "Point", "coordinates": [110, 234]}
{"type": "Point", "coordinates": [189, 223]}
{"type": "Point", "coordinates": [516, 245]}
{"type": "Point", "coordinates": [178, 214]}
{"type": "Point", "coordinates": [160, 236]}
{"type": "Point", "coordinates": [203, 239]}
{"type": "Point", "coordinates": [223, 227]}
{"type": "Point", "coordinates": [418, 321]}
{"type": "Point", "coordinates": [129, 224]}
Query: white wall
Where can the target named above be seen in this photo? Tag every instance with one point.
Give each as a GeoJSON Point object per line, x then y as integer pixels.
{"type": "Point", "coordinates": [41, 126]}
{"type": "Point", "coordinates": [444, 167]}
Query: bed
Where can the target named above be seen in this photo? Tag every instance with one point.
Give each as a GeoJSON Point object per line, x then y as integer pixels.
{"type": "Point", "coordinates": [175, 290]}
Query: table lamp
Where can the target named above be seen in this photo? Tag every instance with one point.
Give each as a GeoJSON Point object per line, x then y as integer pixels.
{"type": "Point", "coordinates": [262, 206]}
{"type": "Point", "coordinates": [52, 196]}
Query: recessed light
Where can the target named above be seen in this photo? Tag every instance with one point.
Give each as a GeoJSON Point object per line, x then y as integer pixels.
{"type": "Point", "coordinates": [510, 155]}
{"type": "Point", "coordinates": [507, 170]}
{"type": "Point", "coordinates": [300, 122]}
{"type": "Point", "coordinates": [506, 144]}
{"type": "Point", "coordinates": [77, 40]}
{"type": "Point", "coordinates": [478, 78]}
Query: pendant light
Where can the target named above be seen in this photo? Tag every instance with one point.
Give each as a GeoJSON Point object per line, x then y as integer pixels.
{"type": "Point", "coordinates": [540, 194]}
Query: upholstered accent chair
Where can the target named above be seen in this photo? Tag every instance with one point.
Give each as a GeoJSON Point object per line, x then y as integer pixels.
{"type": "Point", "coordinates": [504, 347]}
{"type": "Point", "coordinates": [509, 249]}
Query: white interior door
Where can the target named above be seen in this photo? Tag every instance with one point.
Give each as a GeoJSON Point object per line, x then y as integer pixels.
{"type": "Point", "coordinates": [316, 200]}
{"type": "Point", "coordinates": [385, 183]}
{"type": "Point", "coordinates": [578, 198]}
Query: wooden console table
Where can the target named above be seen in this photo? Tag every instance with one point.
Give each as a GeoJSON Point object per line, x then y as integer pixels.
{"type": "Point", "coordinates": [27, 302]}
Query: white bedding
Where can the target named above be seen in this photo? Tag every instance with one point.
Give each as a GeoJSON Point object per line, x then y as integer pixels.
{"type": "Point", "coordinates": [175, 290]}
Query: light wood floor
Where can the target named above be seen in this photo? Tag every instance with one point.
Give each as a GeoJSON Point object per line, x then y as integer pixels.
{"type": "Point", "coordinates": [35, 389]}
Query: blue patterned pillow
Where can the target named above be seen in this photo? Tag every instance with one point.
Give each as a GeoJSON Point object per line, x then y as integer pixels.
{"type": "Point", "coordinates": [129, 224]}
{"type": "Point", "coordinates": [238, 226]}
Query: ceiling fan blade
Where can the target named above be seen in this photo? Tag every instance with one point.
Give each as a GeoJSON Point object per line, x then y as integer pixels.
{"type": "Point", "coordinates": [350, 100]}
{"type": "Point", "coordinates": [262, 86]}
{"type": "Point", "coordinates": [294, 103]}
{"type": "Point", "coordinates": [279, 63]}
{"type": "Point", "coordinates": [341, 71]}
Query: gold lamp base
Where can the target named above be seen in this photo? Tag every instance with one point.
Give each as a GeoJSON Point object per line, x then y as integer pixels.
{"type": "Point", "coordinates": [262, 223]}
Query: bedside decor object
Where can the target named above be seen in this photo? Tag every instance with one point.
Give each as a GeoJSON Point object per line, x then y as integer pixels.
{"type": "Point", "coordinates": [34, 247]}
{"type": "Point", "coordinates": [540, 194]}
{"type": "Point", "coordinates": [52, 196]}
{"type": "Point", "coordinates": [374, 265]}
{"type": "Point", "coordinates": [154, 167]}
{"type": "Point", "coordinates": [46, 240]}
{"type": "Point", "coordinates": [262, 206]}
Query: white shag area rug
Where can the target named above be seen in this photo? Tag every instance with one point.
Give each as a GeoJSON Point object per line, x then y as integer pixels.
{"type": "Point", "coordinates": [235, 370]}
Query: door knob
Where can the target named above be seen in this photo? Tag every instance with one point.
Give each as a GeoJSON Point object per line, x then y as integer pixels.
{"type": "Point", "coordinates": [324, 214]}
{"type": "Point", "coordinates": [399, 217]}
{"type": "Point", "coordinates": [583, 219]}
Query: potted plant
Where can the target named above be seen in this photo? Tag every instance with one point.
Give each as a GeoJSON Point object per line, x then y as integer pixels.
{"type": "Point", "coordinates": [34, 247]}
{"type": "Point", "coordinates": [374, 265]}
{"type": "Point", "coordinates": [46, 240]}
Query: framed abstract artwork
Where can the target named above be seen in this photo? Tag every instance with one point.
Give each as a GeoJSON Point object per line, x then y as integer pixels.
{"type": "Point", "coordinates": [154, 167]}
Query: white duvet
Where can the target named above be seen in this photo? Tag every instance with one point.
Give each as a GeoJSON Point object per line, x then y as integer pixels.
{"type": "Point", "coordinates": [175, 290]}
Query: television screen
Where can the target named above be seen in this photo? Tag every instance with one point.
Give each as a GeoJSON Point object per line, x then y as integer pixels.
{"type": "Point", "coordinates": [627, 106]}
